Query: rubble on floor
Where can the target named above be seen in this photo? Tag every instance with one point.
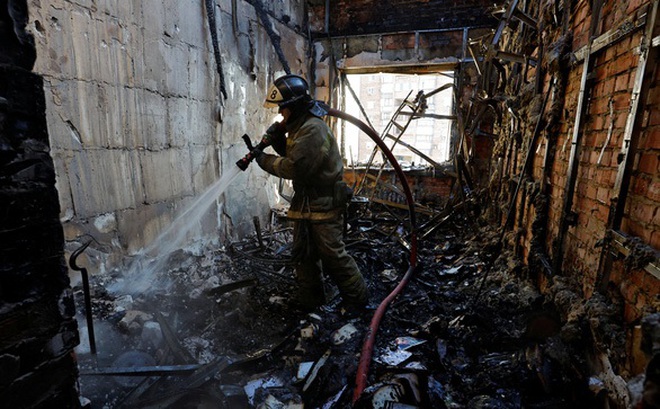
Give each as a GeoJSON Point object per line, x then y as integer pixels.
{"type": "Point", "coordinates": [224, 334]}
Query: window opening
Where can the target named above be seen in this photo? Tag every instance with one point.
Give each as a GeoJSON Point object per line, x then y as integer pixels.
{"type": "Point", "coordinates": [381, 95]}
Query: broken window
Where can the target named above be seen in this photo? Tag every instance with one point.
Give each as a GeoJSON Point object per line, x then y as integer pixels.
{"type": "Point", "coordinates": [383, 98]}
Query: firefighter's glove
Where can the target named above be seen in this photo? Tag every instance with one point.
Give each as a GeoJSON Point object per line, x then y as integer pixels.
{"type": "Point", "coordinates": [276, 130]}
{"type": "Point", "coordinates": [276, 134]}
{"type": "Point", "coordinates": [257, 154]}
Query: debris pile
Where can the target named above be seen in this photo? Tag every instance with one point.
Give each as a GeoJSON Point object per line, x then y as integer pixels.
{"type": "Point", "coordinates": [225, 334]}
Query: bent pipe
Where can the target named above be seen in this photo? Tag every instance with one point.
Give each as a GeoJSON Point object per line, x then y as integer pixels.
{"type": "Point", "coordinates": [86, 293]}
{"type": "Point", "coordinates": [370, 337]}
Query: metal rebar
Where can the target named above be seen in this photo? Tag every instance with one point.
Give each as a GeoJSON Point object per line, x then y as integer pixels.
{"type": "Point", "coordinates": [86, 294]}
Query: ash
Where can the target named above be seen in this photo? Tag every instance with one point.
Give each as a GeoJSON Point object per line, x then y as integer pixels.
{"type": "Point", "coordinates": [469, 330]}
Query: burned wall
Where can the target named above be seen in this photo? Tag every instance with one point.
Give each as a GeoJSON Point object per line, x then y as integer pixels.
{"type": "Point", "coordinates": [141, 121]}
{"type": "Point", "coordinates": [605, 138]}
{"type": "Point", "coordinates": [349, 18]}
{"type": "Point", "coordinates": [400, 37]}
{"type": "Point", "coordinates": [575, 167]}
{"type": "Point", "coordinates": [426, 186]}
{"type": "Point", "coordinates": [37, 328]}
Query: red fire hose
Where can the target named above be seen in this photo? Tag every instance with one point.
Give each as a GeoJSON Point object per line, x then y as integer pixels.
{"type": "Point", "coordinates": [370, 338]}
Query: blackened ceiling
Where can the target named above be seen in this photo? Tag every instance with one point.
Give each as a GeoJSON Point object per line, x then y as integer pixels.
{"type": "Point", "coordinates": [355, 17]}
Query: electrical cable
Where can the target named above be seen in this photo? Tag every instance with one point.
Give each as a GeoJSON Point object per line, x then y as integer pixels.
{"type": "Point", "coordinates": [210, 15]}
{"type": "Point", "coordinates": [274, 37]}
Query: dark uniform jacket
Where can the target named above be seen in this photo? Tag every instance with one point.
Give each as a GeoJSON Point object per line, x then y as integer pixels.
{"type": "Point", "coordinates": [312, 161]}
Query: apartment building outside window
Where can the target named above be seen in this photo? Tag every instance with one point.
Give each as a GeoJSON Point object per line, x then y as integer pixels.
{"type": "Point", "coordinates": [381, 95]}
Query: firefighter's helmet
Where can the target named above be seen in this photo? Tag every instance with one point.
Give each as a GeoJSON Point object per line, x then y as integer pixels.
{"type": "Point", "coordinates": [287, 90]}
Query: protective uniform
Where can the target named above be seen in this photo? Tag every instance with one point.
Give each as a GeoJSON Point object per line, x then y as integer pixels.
{"type": "Point", "coordinates": [311, 159]}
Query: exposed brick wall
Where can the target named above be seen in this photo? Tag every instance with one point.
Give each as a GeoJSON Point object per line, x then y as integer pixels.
{"type": "Point", "coordinates": [643, 215]}
{"type": "Point", "coordinates": [594, 181]}
{"type": "Point", "coordinates": [425, 187]}
{"type": "Point", "coordinates": [580, 253]}
{"type": "Point", "coordinates": [607, 111]}
{"type": "Point", "coordinates": [368, 16]}
{"type": "Point", "coordinates": [608, 101]}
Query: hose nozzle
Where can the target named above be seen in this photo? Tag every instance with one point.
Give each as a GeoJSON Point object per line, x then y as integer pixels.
{"type": "Point", "coordinates": [244, 162]}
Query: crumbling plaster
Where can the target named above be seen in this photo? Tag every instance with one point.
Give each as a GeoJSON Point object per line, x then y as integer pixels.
{"type": "Point", "coordinates": [137, 122]}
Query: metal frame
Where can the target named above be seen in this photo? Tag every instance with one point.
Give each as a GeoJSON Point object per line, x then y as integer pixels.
{"type": "Point", "coordinates": [573, 164]}
{"type": "Point", "coordinates": [632, 130]}
{"type": "Point", "coordinates": [631, 25]}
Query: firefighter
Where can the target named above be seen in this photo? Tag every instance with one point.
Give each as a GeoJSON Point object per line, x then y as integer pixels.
{"type": "Point", "coordinates": [310, 158]}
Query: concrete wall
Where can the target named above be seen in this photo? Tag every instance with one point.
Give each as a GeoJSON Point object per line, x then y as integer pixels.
{"type": "Point", "coordinates": [138, 125]}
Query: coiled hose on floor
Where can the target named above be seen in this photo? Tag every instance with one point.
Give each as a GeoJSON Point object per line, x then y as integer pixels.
{"type": "Point", "coordinates": [368, 346]}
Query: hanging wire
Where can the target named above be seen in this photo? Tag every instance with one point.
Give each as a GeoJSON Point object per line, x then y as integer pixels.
{"type": "Point", "coordinates": [210, 15]}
